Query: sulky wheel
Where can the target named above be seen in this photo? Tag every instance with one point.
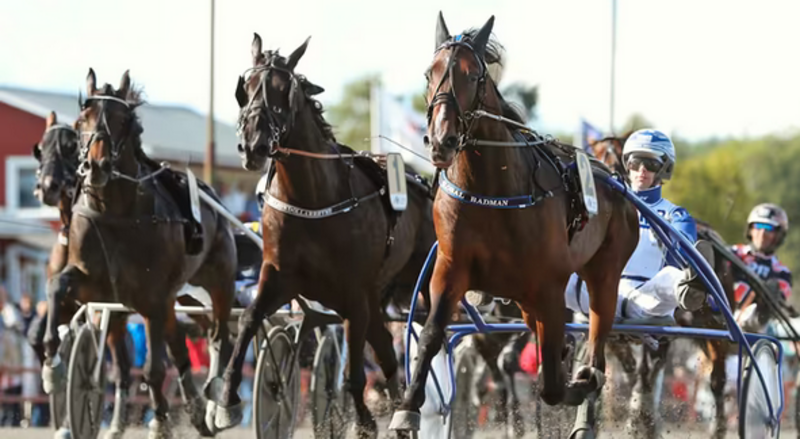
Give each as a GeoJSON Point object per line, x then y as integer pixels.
{"type": "Point", "coordinates": [277, 387]}
{"type": "Point", "coordinates": [754, 414]}
{"type": "Point", "coordinates": [332, 410]}
{"type": "Point", "coordinates": [85, 395]}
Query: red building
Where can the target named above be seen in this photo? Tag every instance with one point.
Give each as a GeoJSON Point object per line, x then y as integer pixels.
{"type": "Point", "coordinates": [28, 229]}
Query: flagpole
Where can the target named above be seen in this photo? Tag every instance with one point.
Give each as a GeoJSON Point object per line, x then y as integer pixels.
{"type": "Point", "coordinates": [613, 62]}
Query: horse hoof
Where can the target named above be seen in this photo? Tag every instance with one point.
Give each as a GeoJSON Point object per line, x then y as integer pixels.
{"type": "Point", "coordinates": [198, 415]}
{"type": "Point", "coordinates": [62, 433]}
{"type": "Point", "coordinates": [405, 420]}
{"type": "Point", "coordinates": [211, 413]}
{"type": "Point", "coordinates": [53, 377]}
{"type": "Point", "coordinates": [587, 380]}
{"type": "Point", "coordinates": [582, 432]}
{"type": "Point", "coordinates": [159, 429]}
{"type": "Point", "coordinates": [228, 417]}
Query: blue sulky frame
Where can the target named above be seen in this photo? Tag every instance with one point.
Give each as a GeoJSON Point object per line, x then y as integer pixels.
{"type": "Point", "coordinates": [674, 242]}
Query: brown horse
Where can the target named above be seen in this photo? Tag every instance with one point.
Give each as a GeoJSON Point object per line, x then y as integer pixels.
{"type": "Point", "coordinates": [526, 253]}
{"type": "Point", "coordinates": [126, 245]}
{"type": "Point", "coordinates": [329, 231]}
{"type": "Point", "coordinates": [57, 154]}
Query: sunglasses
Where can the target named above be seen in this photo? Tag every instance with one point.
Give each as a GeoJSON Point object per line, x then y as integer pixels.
{"type": "Point", "coordinates": [651, 165]}
{"type": "Point", "coordinates": [764, 226]}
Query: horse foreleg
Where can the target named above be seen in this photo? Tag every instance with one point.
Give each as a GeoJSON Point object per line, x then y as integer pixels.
{"type": "Point", "coordinates": [356, 332]}
{"type": "Point", "coordinates": [122, 370]}
{"type": "Point", "coordinates": [155, 373]}
{"type": "Point", "coordinates": [447, 288]}
{"type": "Point", "coordinates": [60, 287]}
{"type": "Point", "coordinates": [193, 401]}
{"type": "Point", "coordinates": [225, 406]}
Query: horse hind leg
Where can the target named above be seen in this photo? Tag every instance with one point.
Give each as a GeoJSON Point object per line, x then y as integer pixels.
{"type": "Point", "coordinates": [643, 419]}
{"type": "Point", "coordinates": [122, 364]}
{"type": "Point", "coordinates": [719, 426]}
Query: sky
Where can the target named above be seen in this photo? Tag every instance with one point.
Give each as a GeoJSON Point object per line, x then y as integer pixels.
{"type": "Point", "coordinates": [695, 69]}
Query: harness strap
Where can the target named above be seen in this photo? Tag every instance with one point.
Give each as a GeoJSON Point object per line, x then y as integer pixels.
{"type": "Point", "coordinates": [343, 207]}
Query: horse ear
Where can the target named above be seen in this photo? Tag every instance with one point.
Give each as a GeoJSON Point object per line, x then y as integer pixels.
{"type": "Point", "coordinates": [124, 84]}
{"type": "Point", "coordinates": [296, 97]}
{"type": "Point", "coordinates": [312, 89]}
{"type": "Point", "coordinates": [298, 53]}
{"type": "Point", "coordinates": [51, 120]}
{"type": "Point", "coordinates": [442, 34]}
{"type": "Point", "coordinates": [255, 49]}
{"type": "Point", "coordinates": [91, 83]}
{"type": "Point", "coordinates": [482, 38]}
{"type": "Point", "coordinates": [241, 93]}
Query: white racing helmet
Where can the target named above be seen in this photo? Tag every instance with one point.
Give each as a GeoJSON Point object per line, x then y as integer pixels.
{"type": "Point", "coordinates": [653, 144]}
{"type": "Point", "coordinates": [771, 214]}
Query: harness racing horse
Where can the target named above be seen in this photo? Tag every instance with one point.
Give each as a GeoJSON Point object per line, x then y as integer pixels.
{"type": "Point", "coordinates": [126, 238]}
{"type": "Point", "coordinates": [57, 154]}
{"type": "Point", "coordinates": [329, 232]}
{"type": "Point", "coordinates": [535, 237]}
{"type": "Point", "coordinates": [643, 372]}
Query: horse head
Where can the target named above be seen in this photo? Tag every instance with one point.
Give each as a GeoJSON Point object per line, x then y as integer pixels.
{"type": "Point", "coordinates": [109, 131]}
{"type": "Point", "coordinates": [270, 96]}
{"type": "Point", "coordinates": [57, 154]}
{"type": "Point", "coordinates": [609, 151]}
{"type": "Point", "coordinates": [458, 85]}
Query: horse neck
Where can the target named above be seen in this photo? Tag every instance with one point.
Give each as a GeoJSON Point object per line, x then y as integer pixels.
{"type": "Point", "coordinates": [309, 182]}
{"type": "Point", "coordinates": [492, 171]}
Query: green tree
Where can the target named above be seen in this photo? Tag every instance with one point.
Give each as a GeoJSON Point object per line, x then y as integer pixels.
{"type": "Point", "coordinates": [525, 96]}
{"type": "Point", "coordinates": [350, 117]}
{"type": "Point", "coordinates": [636, 122]}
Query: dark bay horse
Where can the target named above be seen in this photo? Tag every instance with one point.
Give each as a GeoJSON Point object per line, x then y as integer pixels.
{"type": "Point", "coordinates": [329, 232]}
{"type": "Point", "coordinates": [528, 252]}
{"type": "Point", "coordinates": [58, 156]}
{"type": "Point", "coordinates": [125, 244]}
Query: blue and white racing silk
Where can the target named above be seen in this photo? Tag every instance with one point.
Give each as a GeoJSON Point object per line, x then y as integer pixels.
{"type": "Point", "coordinates": [650, 255]}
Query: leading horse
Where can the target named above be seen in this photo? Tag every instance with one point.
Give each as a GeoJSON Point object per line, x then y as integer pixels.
{"type": "Point", "coordinates": [527, 247]}
{"type": "Point", "coordinates": [329, 231]}
{"type": "Point", "coordinates": [125, 244]}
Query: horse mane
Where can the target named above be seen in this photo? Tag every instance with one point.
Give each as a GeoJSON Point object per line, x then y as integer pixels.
{"type": "Point", "coordinates": [493, 54]}
{"type": "Point", "coordinates": [272, 57]}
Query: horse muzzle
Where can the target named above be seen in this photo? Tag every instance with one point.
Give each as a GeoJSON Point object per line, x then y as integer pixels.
{"type": "Point", "coordinates": [48, 191]}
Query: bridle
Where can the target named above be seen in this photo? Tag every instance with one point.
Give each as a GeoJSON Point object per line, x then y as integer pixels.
{"type": "Point", "coordinates": [279, 124]}
{"type": "Point", "coordinates": [70, 170]}
{"type": "Point", "coordinates": [102, 131]}
{"type": "Point", "coordinates": [466, 119]}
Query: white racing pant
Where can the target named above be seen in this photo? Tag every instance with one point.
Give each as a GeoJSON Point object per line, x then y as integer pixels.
{"type": "Point", "coordinates": [636, 300]}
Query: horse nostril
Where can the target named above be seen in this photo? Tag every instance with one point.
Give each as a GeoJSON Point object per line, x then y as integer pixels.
{"type": "Point", "coordinates": [86, 166]}
{"type": "Point", "coordinates": [426, 140]}
{"type": "Point", "coordinates": [240, 147]}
